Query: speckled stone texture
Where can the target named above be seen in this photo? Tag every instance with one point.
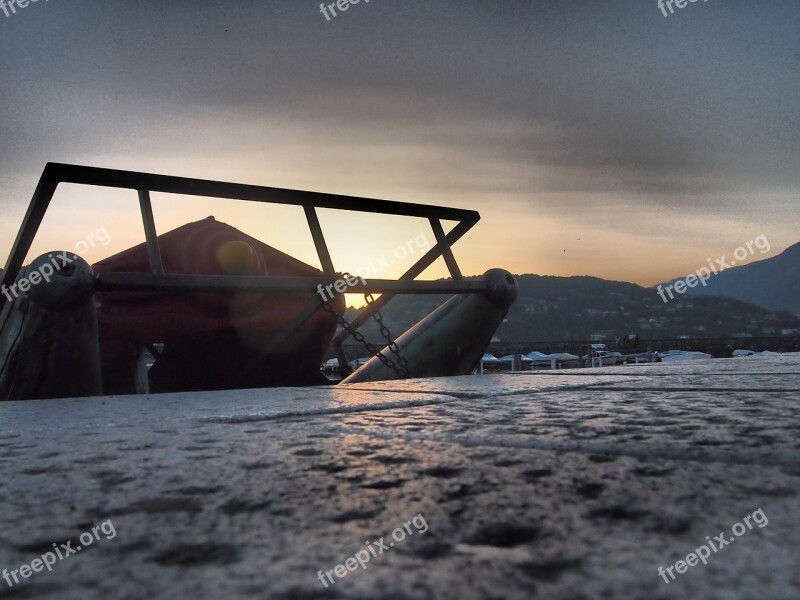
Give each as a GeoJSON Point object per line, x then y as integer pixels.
{"type": "Point", "coordinates": [573, 484]}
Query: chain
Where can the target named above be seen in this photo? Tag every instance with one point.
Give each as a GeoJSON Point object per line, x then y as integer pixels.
{"type": "Point", "coordinates": [402, 368]}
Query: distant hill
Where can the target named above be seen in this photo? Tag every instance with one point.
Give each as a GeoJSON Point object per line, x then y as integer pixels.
{"type": "Point", "coordinates": [773, 283]}
{"type": "Point", "coordinates": [584, 308]}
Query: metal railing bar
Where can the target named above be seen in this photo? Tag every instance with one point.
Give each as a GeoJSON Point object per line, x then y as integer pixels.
{"type": "Point", "coordinates": [319, 240]}
{"type": "Point", "coordinates": [140, 282]}
{"type": "Point", "coordinates": [30, 225]}
{"type": "Point", "coordinates": [447, 251]}
{"type": "Point", "coordinates": [153, 251]}
{"type": "Point", "coordinates": [96, 176]}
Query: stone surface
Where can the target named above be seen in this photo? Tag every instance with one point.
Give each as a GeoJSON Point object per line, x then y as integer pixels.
{"type": "Point", "coordinates": [572, 484]}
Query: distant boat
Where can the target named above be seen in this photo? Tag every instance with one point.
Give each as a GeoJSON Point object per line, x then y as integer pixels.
{"type": "Point", "coordinates": [607, 358]}
{"type": "Point", "coordinates": [540, 358]}
{"type": "Point", "coordinates": [681, 355]}
{"type": "Point", "coordinates": [643, 357]}
{"type": "Point", "coordinates": [489, 359]}
{"type": "Point", "coordinates": [508, 359]}
{"type": "Point", "coordinates": [506, 363]}
{"type": "Point", "coordinates": [330, 365]}
{"type": "Point", "coordinates": [740, 353]}
{"type": "Point", "coordinates": [358, 362]}
{"type": "Point", "coordinates": [565, 359]}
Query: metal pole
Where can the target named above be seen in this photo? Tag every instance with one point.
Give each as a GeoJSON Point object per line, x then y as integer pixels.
{"type": "Point", "coordinates": [153, 251]}
{"type": "Point", "coordinates": [447, 252]}
{"type": "Point", "coordinates": [319, 240]}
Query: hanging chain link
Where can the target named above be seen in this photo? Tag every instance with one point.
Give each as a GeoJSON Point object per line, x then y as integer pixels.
{"type": "Point", "coordinates": [401, 368]}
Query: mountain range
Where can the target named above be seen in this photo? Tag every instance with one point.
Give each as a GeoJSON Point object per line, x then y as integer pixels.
{"type": "Point", "coordinates": [773, 283]}
{"type": "Point", "coordinates": [761, 299]}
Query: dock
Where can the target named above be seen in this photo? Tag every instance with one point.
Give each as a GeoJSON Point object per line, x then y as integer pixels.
{"type": "Point", "coordinates": [548, 484]}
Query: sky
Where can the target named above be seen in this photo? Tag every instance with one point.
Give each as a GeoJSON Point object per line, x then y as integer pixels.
{"type": "Point", "coordinates": [595, 138]}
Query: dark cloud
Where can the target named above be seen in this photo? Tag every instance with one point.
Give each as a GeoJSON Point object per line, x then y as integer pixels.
{"type": "Point", "coordinates": [510, 97]}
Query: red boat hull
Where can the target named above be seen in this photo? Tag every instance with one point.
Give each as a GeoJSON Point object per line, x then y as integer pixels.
{"type": "Point", "coordinates": [208, 337]}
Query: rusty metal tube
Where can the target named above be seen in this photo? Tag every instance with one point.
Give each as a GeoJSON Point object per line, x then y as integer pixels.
{"type": "Point", "coordinates": [48, 333]}
{"type": "Point", "coordinates": [451, 340]}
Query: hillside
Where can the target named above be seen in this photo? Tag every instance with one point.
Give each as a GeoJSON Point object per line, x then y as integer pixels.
{"type": "Point", "coordinates": [583, 308]}
{"type": "Point", "coordinates": [772, 283]}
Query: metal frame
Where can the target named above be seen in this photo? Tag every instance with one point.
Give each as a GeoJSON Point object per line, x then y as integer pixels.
{"type": "Point", "coordinates": [145, 183]}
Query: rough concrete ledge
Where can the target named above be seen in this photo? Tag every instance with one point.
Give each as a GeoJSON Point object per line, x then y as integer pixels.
{"type": "Point", "coordinates": [551, 485]}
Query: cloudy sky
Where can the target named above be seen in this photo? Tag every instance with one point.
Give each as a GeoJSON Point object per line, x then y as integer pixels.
{"type": "Point", "coordinates": [597, 138]}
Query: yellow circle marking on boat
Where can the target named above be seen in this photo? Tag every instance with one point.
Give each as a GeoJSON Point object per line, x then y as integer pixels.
{"type": "Point", "coordinates": [237, 258]}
